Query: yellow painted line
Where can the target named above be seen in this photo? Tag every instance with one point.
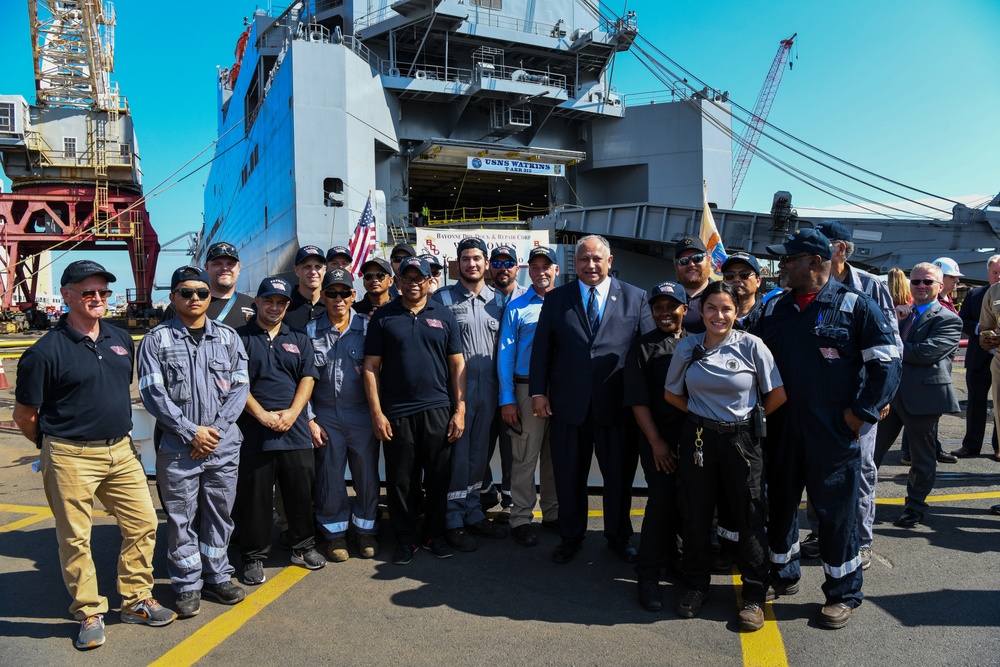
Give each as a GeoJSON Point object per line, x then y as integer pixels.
{"type": "Point", "coordinates": [765, 647]}
{"type": "Point", "coordinates": [39, 513]}
{"type": "Point", "coordinates": [945, 498]}
{"type": "Point", "coordinates": [25, 509]}
{"type": "Point", "coordinates": [216, 631]}
{"type": "Point", "coordinates": [21, 523]}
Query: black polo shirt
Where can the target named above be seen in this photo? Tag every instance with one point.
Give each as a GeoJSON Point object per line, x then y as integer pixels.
{"type": "Point", "coordinates": [364, 306]}
{"type": "Point", "coordinates": [645, 376]}
{"type": "Point", "coordinates": [301, 312]}
{"type": "Point", "coordinates": [414, 350]}
{"type": "Point", "coordinates": [80, 387]}
{"type": "Point", "coordinates": [275, 368]}
{"type": "Point", "coordinates": [238, 315]}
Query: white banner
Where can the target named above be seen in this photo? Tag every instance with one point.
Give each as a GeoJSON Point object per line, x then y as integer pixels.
{"type": "Point", "coordinates": [443, 243]}
{"type": "Point", "coordinates": [508, 166]}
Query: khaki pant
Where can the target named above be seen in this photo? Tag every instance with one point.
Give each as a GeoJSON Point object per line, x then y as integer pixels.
{"type": "Point", "coordinates": [73, 474]}
{"type": "Point", "coordinates": [528, 450]}
{"type": "Point", "coordinates": [995, 389]}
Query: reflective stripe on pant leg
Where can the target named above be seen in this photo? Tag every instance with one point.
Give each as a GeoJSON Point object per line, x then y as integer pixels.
{"type": "Point", "coordinates": [332, 507]}
{"type": "Point", "coordinates": [218, 491]}
{"type": "Point", "coordinates": [177, 476]}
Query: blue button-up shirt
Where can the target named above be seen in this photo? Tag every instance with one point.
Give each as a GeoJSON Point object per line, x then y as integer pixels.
{"type": "Point", "coordinates": [339, 360]}
{"type": "Point", "coordinates": [517, 331]}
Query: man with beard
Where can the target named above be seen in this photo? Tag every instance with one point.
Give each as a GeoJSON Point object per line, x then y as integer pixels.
{"type": "Point", "coordinates": [436, 270]}
{"type": "Point", "coordinates": [645, 376]}
{"type": "Point", "coordinates": [477, 310]}
{"type": "Point", "coordinates": [307, 301]}
{"type": "Point", "coordinates": [742, 271]}
{"type": "Point", "coordinates": [503, 270]}
{"type": "Point", "coordinates": [694, 272]}
{"type": "Point", "coordinates": [222, 263]}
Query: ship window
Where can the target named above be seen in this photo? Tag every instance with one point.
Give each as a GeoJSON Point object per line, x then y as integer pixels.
{"type": "Point", "coordinates": [69, 147]}
{"type": "Point", "coordinates": [488, 4]}
{"type": "Point", "coordinates": [6, 117]}
{"type": "Point", "coordinates": [125, 150]}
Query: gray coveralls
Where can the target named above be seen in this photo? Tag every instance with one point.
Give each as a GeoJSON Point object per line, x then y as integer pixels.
{"type": "Point", "coordinates": [341, 408]}
{"type": "Point", "coordinates": [184, 385]}
{"type": "Point", "coordinates": [479, 320]}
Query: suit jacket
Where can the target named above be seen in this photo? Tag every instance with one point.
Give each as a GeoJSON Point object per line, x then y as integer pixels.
{"type": "Point", "coordinates": [925, 387]}
{"type": "Point", "coordinates": [579, 371]}
{"type": "Point", "coordinates": [975, 356]}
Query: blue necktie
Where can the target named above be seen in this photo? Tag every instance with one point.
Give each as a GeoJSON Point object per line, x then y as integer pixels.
{"type": "Point", "coordinates": [593, 312]}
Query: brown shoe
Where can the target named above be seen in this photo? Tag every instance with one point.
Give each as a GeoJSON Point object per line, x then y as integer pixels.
{"type": "Point", "coordinates": [336, 550]}
{"type": "Point", "coordinates": [751, 617]}
{"type": "Point", "coordinates": [367, 545]}
{"type": "Point", "coordinates": [834, 616]}
{"type": "Point", "coordinates": [689, 606]}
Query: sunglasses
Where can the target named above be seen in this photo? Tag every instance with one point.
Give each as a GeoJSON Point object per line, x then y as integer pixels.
{"type": "Point", "coordinates": [785, 259]}
{"type": "Point", "coordinates": [221, 250]}
{"type": "Point", "coordinates": [91, 293]}
{"type": "Point", "coordinates": [188, 292]}
{"type": "Point", "coordinates": [744, 275]}
{"type": "Point", "coordinates": [435, 272]}
{"type": "Point", "coordinates": [376, 275]}
{"type": "Point", "coordinates": [399, 258]}
{"type": "Point", "coordinates": [926, 281]}
{"type": "Point", "coordinates": [333, 294]}
{"type": "Point", "coordinates": [697, 259]}
{"type": "Point", "coordinates": [406, 280]}
{"type": "Point", "coordinates": [503, 264]}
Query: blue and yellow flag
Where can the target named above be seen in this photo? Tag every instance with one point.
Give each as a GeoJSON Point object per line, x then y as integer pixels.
{"type": "Point", "coordinates": [710, 236]}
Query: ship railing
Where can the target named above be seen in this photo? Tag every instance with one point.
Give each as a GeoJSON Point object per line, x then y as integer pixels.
{"type": "Point", "coordinates": [365, 54]}
{"type": "Point", "coordinates": [654, 97]}
{"type": "Point", "coordinates": [480, 16]}
{"type": "Point", "coordinates": [469, 214]}
{"type": "Point", "coordinates": [599, 94]}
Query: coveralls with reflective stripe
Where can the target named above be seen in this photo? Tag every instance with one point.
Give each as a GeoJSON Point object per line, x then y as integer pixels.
{"type": "Point", "coordinates": [185, 385]}
{"type": "Point", "coordinates": [338, 399]}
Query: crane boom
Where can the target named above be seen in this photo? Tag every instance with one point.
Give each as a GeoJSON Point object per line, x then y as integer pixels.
{"type": "Point", "coordinates": [748, 143]}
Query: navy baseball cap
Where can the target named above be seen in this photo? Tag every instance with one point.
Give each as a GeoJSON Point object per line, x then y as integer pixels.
{"type": "Point", "coordinates": [339, 250]}
{"type": "Point", "coordinates": [807, 240]}
{"type": "Point", "coordinates": [502, 250]}
{"type": "Point", "coordinates": [689, 243]}
{"type": "Point", "coordinates": [186, 273]}
{"type": "Point", "coordinates": [432, 260]}
{"type": "Point", "coordinates": [307, 251]}
{"type": "Point", "coordinates": [472, 243]}
{"type": "Point", "coordinates": [83, 269]}
{"type": "Point", "coordinates": [673, 290]}
{"type": "Point", "coordinates": [542, 251]}
{"type": "Point", "coordinates": [742, 258]}
{"type": "Point", "coordinates": [834, 231]}
{"type": "Point", "coordinates": [338, 277]}
{"type": "Point", "coordinates": [380, 262]}
{"type": "Point", "coordinates": [418, 263]}
{"type": "Point", "coordinates": [275, 285]}
{"type": "Point", "coordinates": [404, 247]}
{"type": "Point", "coordinates": [221, 249]}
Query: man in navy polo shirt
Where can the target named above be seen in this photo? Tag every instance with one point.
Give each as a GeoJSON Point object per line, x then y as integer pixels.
{"type": "Point", "coordinates": [277, 443]}
{"type": "Point", "coordinates": [73, 401]}
{"type": "Point", "coordinates": [413, 357]}
{"type": "Point", "coordinates": [307, 304]}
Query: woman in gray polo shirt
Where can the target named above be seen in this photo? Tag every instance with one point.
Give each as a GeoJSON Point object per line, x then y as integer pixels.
{"type": "Point", "coordinates": [716, 377]}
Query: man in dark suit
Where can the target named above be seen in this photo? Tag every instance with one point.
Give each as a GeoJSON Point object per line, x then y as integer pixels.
{"type": "Point", "coordinates": [584, 330]}
{"type": "Point", "coordinates": [977, 369]}
{"type": "Point", "coordinates": [930, 340]}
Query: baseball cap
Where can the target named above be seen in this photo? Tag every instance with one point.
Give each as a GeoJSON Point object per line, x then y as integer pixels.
{"type": "Point", "coordinates": [185, 273]}
{"type": "Point", "coordinates": [221, 249]}
{"type": "Point", "coordinates": [380, 262]}
{"type": "Point", "coordinates": [275, 285]}
{"type": "Point", "coordinates": [834, 231]}
{"type": "Point", "coordinates": [418, 263]}
{"type": "Point", "coordinates": [948, 266]}
{"type": "Point", "coordinates": [472, 243]}
{"type": "Point", "coordinates": [542, 251]}
{"type": "Point", "coordinates": [689, 243]}
{"type": "Point", "coordinates": [502, 250]}
{"type": "Point", "coordinates": [339, 250]}
{"type": "Point", "coordinates": [673, 290]}
{"type": "Point", "coordinates": [432, 260]}
{"type": "Point", "coordinates": [307, 251]}
{"type": "Point", "coordinates": [404, 247]}
{"type": "Point", "coordinates": [83, 269]}
{"type": "Point", "coordinates": [807, 240]}
{"type": "Point", "coordinates": [338, 277]}
{"type": "Point", "coordinates": [744, 258]}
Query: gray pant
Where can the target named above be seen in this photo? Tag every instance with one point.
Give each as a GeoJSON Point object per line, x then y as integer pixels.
{"type": "Point", "coordinates": [529, 450]}
{"type": "Point", "coordinates": [468, 456]}
{"type": "Point", "coordinates": [866, 489]}
{"type": "Point", "coordinates": [351, 441]}
{"type": "Point", "coordinates": [922, 434]}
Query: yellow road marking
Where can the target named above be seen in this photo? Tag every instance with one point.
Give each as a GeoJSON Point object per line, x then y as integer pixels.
{"type": "Point", "coordinates": [24, 509]}
{"type": "Point", "coordinates": [216, 631]}
{"type": "Point", "coordinates": [763, 648]}
{"type": "Point", "coordinates": [39, 513]}
{"type": "Point", "coordinates": [944, 498]}
{"type": "Point", "coordinates": [21, 523]}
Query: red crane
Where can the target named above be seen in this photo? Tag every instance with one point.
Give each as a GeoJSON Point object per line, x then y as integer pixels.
{"type": "Point", "coordinates": [748, 143]}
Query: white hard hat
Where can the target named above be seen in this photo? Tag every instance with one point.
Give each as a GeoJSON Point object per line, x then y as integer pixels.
{"type": "Point", "coordinates": [948, 266]}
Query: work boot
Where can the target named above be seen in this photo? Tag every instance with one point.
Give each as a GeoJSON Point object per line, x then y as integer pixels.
{"type": "Point", "coordinates": [751, 617]}
{"type": "Point", "coordinates": [225, 592]}
{"type": "Point", "coordinates": [188, 604]}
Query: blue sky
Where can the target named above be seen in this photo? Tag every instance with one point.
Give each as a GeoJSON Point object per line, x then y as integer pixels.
{"type": "Point", "coordinates": [906, 89]}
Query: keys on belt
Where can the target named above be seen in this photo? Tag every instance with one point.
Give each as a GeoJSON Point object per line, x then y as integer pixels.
{"type": "Point", "coordinates": [720, 427]}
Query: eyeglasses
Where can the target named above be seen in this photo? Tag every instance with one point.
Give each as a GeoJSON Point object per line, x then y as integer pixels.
{"type": "Point", "coordinates": [926, 281]}
{"type": "Point", "coordinates": [435, 272]}
{"type": "Point", "coordinates": [188, 292]}
{"type": "Point", "coordinates": [406, 280]}
{"type": "Point", "coordinates": [744, 275]}
{"type": "Point", "coordinates": [785, 259]}
{"type": "Point", "coordinates": [503, 264]}
{"type": "Point", "coordinates": [91, 293]}
{"type": "Point", "coordinates": [697, 259]}
{"type": "Point", "coordinates": [399, 258]}
{"type": "Point", "coordinates": [333, 294]}
{"type": "Point", "coordinates": [376, 275]}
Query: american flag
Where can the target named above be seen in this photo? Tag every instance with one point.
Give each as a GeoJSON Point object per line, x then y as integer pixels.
{"type": "Point", "coordinates": [362, 243]}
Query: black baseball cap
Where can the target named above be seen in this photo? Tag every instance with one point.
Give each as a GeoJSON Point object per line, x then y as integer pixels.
{"type": "Point", "coordinates": [431, 259]}
{"type": "Point", "coordinates": [689, 243]}
{"type": "Point", "coordinates": [418, 263]}
{"type": "Point", "coordinates": [807, 240]}
{"type": "Point", "coordinates": [380, 262]}
{"type": "Point", "coordinates": [339, 250]}
{"type": "Point", "coordinates": [742, 258]}
{"type": "Point", "coordinates": [472, 243]}
{"type": "Point", "coordinates": [307, 251]}
{"type": "Point", "coordinates": [502, 250]}
{"type": "Point", "coordinates": [221, 249]}
{"type": "Point", "coordinates": [185, 273]}
{"type": "Point", "coordinates": [672, 290]}
{"type": "Point", "coordinates": [542, 251]}
{"type": "Point", "coordinates": [403, 247]}
{"type": "Point", "coordinates": [83, 269]}
{"type": "Point", "coordinates": [834, 231]}
{"type": "Point", "coordinates": [275, 285]}
{"type": "Point", "coordinates": [338, 277]}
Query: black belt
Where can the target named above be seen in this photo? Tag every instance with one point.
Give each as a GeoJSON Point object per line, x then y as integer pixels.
{"type": "Point", "coordinates": [720, 427]}
{"type": "Point", "coordinates": [521, 379]}
{"type": "Point", "coordinates": [92, 443]}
